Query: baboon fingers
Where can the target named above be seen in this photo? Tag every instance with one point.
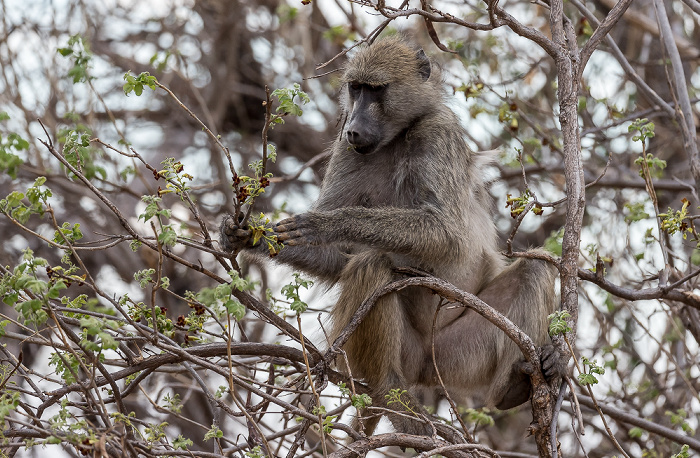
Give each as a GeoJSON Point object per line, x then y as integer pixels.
{"type": "Point", "coordinates": [526, 368]}
{"type": "Point", "coordinates": [294, 238]}
{"type": "Point", "coordinates": [551, 361]}
{"type": "Point", "coordinates": [228, 223]}
{"type": "Point", "coordinates": [235, 233]}
{"type": "Point", "coordinates": [297, 230]}
{"type": "Point", "coordinates": [288, 224]}
{"type": "Point", "coordinates": [233, 236]}
{"type": "Point", "coordinates": [230, 227]}
{"type": "Point", "coordinates": [282, 230]}
{"type": "Point", "coordinates": [283, 236]}
{"type": "Point", "coordinates": [238, 236]}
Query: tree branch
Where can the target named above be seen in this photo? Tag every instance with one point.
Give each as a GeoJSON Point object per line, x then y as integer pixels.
{"type": "Point", "coordinates": [632, 419]}
{"type": "Point", "coordinates": [602, 31]}
{"type": "Point", "coordinates": [685, 116]}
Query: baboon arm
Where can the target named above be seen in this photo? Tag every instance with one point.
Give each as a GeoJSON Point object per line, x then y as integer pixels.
{"type": "Point", "coordinates": [418, 232]}
{"type": "Point", "coordinates": [325, 262]}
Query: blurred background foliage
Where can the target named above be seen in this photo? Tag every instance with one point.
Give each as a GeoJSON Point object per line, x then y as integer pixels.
{"type": "Point", "coordinates": [62, 64]}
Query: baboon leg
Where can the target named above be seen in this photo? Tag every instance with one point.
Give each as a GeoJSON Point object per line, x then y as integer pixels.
{"type": "Point", "coordinates": [524, 290]}
{"type": "Point", "coordinates": [473, 352]}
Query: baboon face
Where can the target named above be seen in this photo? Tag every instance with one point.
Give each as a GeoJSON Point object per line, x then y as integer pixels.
{"type": "Point", "coordinates": [364, 131]}
{"type": "Point", "coordinates": [386, 88]}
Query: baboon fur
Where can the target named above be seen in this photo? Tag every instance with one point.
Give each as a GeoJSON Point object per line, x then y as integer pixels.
{"type": "Point", "coordinates": [403, 189]}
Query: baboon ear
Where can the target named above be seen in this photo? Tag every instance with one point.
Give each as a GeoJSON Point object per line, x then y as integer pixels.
{"type": "Point", "coordinates": [423, 65]}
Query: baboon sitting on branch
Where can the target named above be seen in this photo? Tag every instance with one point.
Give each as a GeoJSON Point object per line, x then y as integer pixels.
{"type": "Point", "coordinates": [403, 189]}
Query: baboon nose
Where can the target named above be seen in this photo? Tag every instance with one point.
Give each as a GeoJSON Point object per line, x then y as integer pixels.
{"type": "Point", "coordinates": [353, 137]}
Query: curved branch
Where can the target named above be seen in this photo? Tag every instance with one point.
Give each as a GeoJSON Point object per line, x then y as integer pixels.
{"type": "Point", "coordinates": [528, 32]}
{"type": "Point", "coordinates": [437, 16]}
{"type": "Point", "coordinates": [425, 443]}
{"type": "Point", "coordinates": [200, 351]}
{"type": "Point", "coordinates": [693, 5]}
{"type": "Point", "coordinates": [451, 293]}
{"type": "Point", "coordinates": [501, 17]}
{"type": "Point", "coordinates": [668, 292]}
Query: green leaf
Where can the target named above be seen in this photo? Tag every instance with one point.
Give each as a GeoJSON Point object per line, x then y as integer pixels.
{"type": "Point", "coordinates": [36, 286]}
{"type": "Point", "coordinates": [479, 417]}
{"type": "Point", "coordinates": [684, 453]}
{"type": "Point", "coordinates": [168, 237]}
{"type": "Point", "coordinates": [695, 257]}
{"type": "Point", "coordinates": [223, 291]}
{"type": "Point", "coordinates": [137, 83]}
{"type": "Point", "coordinates": [286, 98]}
{"type": "Point", "coordinates": [181, 443]}
{"type": "Point", "coordinates": [361, 401]}
{"type": "Point", "coordinates": [144, 276]}
{"type": "Point", "coordinates": [635, 212]}
{"type": "Point", "coordinates": [235, 308]}
{"type": "Point", "coordinates": [11, 298]}
{"type": "Point", "coordinates": [3, 324]}
{"type": "Point", "coordinates": [53, 292]}
{"type": "Point", "coordinates": [213, 433]}
{"type": "Point", "coordinates": [558, 324]}
{"type": "Point", "coordinates": [15, 198]}
{"type": "Point", "coordinates": [10, 163]}
{"type": "Point", "coordinates": [298, 306]}
{"type": "Point", "coordinates": [587, 379]}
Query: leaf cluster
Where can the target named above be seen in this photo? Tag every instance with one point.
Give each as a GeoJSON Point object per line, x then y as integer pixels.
{"type": "Point", "coordinates": [291, 292]}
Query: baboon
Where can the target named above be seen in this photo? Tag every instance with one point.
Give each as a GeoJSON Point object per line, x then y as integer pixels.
{"type": "Point", "coordinates": [403, 189]}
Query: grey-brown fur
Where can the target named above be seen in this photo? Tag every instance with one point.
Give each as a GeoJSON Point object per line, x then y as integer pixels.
{"type": "Point", "coordinates": [409, 192]}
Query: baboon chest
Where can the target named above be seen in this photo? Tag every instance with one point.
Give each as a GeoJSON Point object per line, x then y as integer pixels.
{"type": "Point", "coordinates": [380, 184]}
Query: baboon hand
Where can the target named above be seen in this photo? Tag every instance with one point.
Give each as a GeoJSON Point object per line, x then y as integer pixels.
{"type": "Point", "coordinates": [553, 364]}
{"type": "Point", "coordinates": [298, 230]}
{"type": "Point", "coordinates": [519, 387]}
{"type": "Point", "coordinates": [232, 236]}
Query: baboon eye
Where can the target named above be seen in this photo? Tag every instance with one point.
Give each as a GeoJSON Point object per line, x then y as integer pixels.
{"type": "Point", "coordinates": [355, 86]}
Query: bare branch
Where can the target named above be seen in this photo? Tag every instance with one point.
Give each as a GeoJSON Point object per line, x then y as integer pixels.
{"type": "Point", "coordinates": [685, 115]}
{"type": "Point", "coordinates": [602, 31]}
{"type": "Point", "coordinates": [637, 420]}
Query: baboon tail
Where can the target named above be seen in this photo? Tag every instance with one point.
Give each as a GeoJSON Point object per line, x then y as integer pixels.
{"type": "Point", "coordinates": [374, 349]}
